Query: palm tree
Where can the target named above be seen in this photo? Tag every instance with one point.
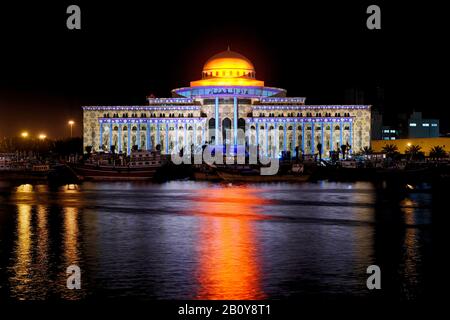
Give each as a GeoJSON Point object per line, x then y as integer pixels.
{"type": "Point", "coordinates": [367, 150]}
{"type": "Point", "coordinates": [413, 151]}
{"type": "Point", "coordinates": [438, 152]}
{"type": "Point", "coordinates": [390, 149]}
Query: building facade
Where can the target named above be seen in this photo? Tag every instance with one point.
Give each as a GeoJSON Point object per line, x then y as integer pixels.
{"type": "Point", "coordinates": [422, 128]}
{"type": "Point", "coordinates": [389, 133]}
{"type": "Point", "coordinates": [377, 129]}
{"type": "Point", "coordinates": [228, 106]}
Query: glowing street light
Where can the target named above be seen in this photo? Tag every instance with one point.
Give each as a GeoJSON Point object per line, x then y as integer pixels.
{"type": "Point", "coordinates": [71, 123]}
{"type": "Point", "coordinates": [409, 144]}
{"type": "Point", "coordinates": [24, 134]}
{"type": "Point", "coordinates": [42, 136]}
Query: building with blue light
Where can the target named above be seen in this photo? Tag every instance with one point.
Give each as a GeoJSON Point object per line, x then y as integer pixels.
{"type": "Point", "coordinates": [422, 128]}
{"type": "Point", "coordinates": [390, 133]}
{"type": "Point", "coordinates": [226, 99]}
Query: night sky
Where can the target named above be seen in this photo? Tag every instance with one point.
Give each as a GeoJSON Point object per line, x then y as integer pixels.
{"type": "Point", "coordinates": [128, 50]}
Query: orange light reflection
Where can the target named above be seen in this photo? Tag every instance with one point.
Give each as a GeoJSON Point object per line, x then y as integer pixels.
{"type": "Point", "coordinates": [229, 267]}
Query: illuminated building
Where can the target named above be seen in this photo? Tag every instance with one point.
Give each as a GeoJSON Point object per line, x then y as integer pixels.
{"type": "Point", "coordinates": [426, 144]}
{"type": "Point", "coordinates": [228, 97]}
{"type": "Point", "coordinates": [422, 128]}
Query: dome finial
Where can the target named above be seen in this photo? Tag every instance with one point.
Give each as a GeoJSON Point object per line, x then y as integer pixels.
{"type": "Point", "coordinates": [228, 48]}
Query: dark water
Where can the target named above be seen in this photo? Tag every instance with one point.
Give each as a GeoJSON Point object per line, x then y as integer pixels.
{"type": "Point", "coordinates": [191, 240]}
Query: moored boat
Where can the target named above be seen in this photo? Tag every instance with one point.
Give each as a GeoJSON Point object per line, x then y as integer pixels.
{"type": "Point", "coordinates": [253, 174]}
{"type": "Point", "coordinates": [237, 177]}
{"type": "Point", "coordinates": [141, 165]}
{"type": "Point", "coordinates": [204, 172]}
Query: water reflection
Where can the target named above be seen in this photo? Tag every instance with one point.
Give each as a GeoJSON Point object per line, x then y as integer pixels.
{"type": "Point", "coordinates": [42, 256]}
{"type": "Point", "coordinates": [36, 266]}
{"type": "Point", "coordinates": [413, 216]}
{"type": "Point", "coordinates": [211, 241]}
{"type": "Point", "coordinates": [70, 248]}
{"type": "Point", "coordinates": [228, 246]}
{"type": "Point", "coordinates": [22, 264]}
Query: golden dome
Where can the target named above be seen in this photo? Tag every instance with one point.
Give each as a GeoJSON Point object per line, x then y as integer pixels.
{"type": "Point", "coordinates": [228, 61]}
{"type": "Point", "coordinates": [228, 68]}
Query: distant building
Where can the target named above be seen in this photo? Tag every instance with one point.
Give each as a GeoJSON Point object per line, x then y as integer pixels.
{"type": "Point", "coordinates": [389, 133]}
{"type": "Point", "coordinates": [376, 125]}
{"type": "Point", "coordinates": [354, 96]}
{"type": "Point", "coordinates": [422, 128]}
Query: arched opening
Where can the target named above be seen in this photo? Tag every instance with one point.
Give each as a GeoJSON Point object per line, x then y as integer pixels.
{"type": "Point", "coordinates": [241, 134]}
{"type": "Point", "coordinates": [212, 130]}
{"type": "Point", "coordinates": [226, 125]}
{"type": "Point", "coordinates": [241, 124]}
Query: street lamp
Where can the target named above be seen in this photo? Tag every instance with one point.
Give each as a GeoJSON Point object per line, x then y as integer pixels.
{"type": "Point", "coordinates": [24, 134]}
{"type": "Point", "coordinates": [42, 136]}
{"type": "Point", "coordinates": [71, 123]}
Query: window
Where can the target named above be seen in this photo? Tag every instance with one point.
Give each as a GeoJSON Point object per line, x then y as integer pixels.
{"type": "Point", "coordinates": [425, 124]}
{"type": "Point", "coordinates": [392, 131]}
{"type": "Point", "coordinates": [386, 131]}
{"type": "Point", "coordinates": [392, 138]}
{"type": "Point", "coordinates": [434, 124]}
{"type": "Point", "coordinates": [412, 124]}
